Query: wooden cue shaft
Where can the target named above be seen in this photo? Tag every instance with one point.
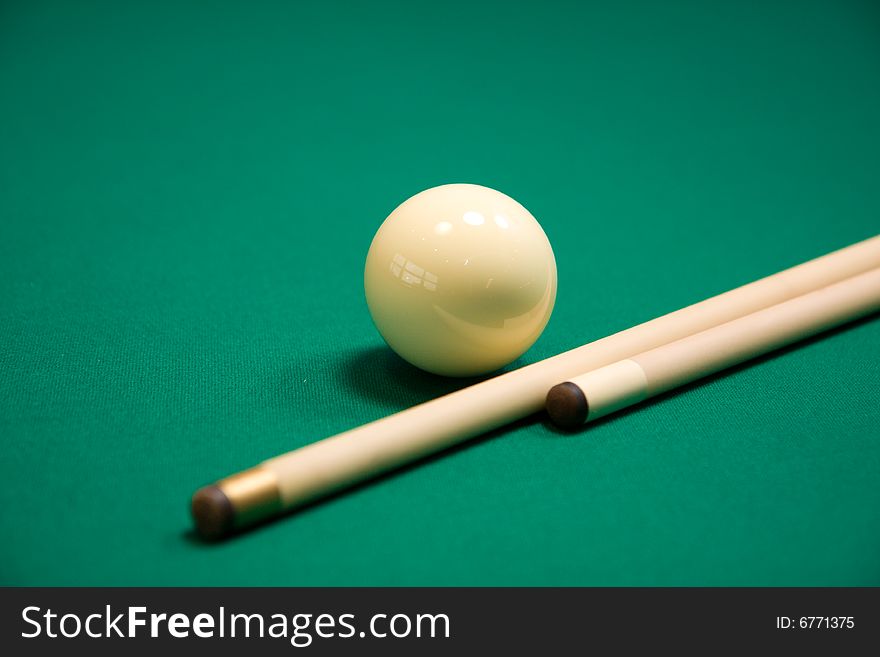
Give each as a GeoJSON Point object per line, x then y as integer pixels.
{"type": "Point", "coordinates": [614, 387]}
{"type": "Point", "coordinates": [313, 471]}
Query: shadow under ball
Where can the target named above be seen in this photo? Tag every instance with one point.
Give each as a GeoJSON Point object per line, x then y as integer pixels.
{"type": "Point", "coordinates": [460, 280]}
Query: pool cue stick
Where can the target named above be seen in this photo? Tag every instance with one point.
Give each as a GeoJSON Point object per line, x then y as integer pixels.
{"type": "Point", "coordinates": [318, 469]}
{"type": "Point", "coordinates": [627, 382]}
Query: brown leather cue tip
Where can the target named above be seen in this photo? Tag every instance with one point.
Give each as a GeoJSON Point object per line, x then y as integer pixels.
{"type": "Point", "coordinates": [567, 405]}
{"type": "Point", "coordinates": [236, 502]}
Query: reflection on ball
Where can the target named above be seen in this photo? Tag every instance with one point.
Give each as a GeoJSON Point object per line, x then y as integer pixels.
{"type": "Point", "coordinates": [460, 280]}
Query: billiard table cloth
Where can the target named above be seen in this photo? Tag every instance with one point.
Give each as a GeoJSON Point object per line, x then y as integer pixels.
{"type": "Point", "coordinates": [187, 196]}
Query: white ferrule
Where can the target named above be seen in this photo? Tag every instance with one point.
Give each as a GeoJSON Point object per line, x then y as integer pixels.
{"type": "Point", "coordinates": [612, 387]}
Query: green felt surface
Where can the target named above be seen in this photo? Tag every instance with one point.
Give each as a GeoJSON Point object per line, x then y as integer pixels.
{"type": "Point", "coordinates": [187, 195]}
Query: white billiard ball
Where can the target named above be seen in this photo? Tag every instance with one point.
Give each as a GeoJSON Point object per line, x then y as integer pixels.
{"type": "Point", "coordinates": [460, 280]}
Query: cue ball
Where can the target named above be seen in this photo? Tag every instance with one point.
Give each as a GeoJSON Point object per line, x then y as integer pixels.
{"type": "Point", "coordinates": [460, 280]}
